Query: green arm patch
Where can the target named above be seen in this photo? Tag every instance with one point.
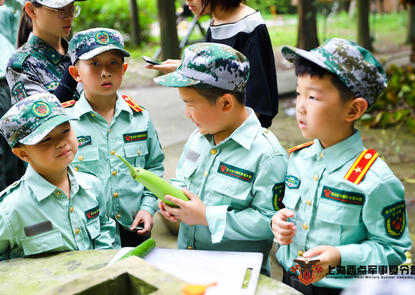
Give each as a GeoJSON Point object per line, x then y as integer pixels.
{"type": "Point", "coordinates": [18, 91]}
{"type": "Point", "coordinates": [278, 194]}
{"type": "Point", "coordinates": [395, 219]}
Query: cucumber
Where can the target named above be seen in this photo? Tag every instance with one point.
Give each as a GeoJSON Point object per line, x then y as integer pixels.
{"type": "Point", "coordinates": [157, 185]}
{"type": "Point", "coordinates": [142, 250]}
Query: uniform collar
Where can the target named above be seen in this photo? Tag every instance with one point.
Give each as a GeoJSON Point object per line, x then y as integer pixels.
{"type": "Point", "coordinates": [245, 134]}
{"type": "Point", "coordinates": [83, 107]}
{"type": "Point", "coordinates": [42, 189]}
{"type": "Point", "coordinates": [43, 48]}
{"type": "Point", "coordinates": [338, 154]}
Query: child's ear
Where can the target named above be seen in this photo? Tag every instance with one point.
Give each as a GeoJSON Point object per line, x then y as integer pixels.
{"type": "Point", "coordinates": [29, 8]}
{"type": "Point", "coordinates": [74, 73]}
{"type": "Point", "coordinates": [356, 108]}
{"type": "Point", "coordinates": [226, 102]}
{"type": "Point", "coordinates": [20, 153]}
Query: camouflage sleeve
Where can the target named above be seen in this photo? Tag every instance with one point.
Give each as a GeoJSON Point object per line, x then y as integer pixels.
{"type": "Point", "coordinates": [23, 82]}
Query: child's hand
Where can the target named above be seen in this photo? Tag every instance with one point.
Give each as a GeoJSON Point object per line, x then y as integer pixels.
{"type": "Point", "coordinates": [166, 67]}
{"type": "Point", "coordinates": [190, 212]}
{"type": "Point", "coordinates": [328, 256]}
{"type": "Point", "coordinates": [282, 229]}
{"type": "Point", "coordinates": [142, 217]}
{"type": "Point", "coordinates": [166, 214]}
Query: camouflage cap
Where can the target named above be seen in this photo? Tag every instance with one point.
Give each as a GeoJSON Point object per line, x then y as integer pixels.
{"type": "Point", "coordinates": [210, 64]}
{"type": "Point", "coordinates": [55, 3]}
{"type": "Point", "coordinates": [356, 67]}
{"type": "Point", "coordinates": [32, 118]}
{"type": "Point", "coordinates": [89, 43]}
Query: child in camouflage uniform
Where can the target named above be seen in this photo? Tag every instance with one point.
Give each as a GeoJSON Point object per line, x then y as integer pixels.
{"type": "Point", "coordinates": [234, 165]}
{"type": "Point", "coordinates": [52, 208]}
{"type": "Point", "coordinates": [344, 206]}
{"type": "Point", "coordinates": [108, 124]}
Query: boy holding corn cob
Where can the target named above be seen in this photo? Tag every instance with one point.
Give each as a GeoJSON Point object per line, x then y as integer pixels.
{"type": "Point", "coordinates": [109, 124]}
{"type": "Point", "coordinates": [234, 165]}
{"type": "Point", "coordinates": [52, 208]}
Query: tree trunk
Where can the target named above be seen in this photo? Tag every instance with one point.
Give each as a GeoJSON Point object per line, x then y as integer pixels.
{"type": "Point", "coordinates": [307, 25]}
{"type": "Point", "coordinates": [363, 31]}
{"type": "Point", "coordinates": [411, 30]}
{"type": "Point", "coordinates": [168, 29]}
{"type": "Point", "coordinates": [135, 23]}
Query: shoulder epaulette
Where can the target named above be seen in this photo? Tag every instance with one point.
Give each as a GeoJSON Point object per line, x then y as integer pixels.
{"type": "Point", "coordinates": [300, 146]}
{"type": "Point", "coordinates": [361, 166]}
{"type": "Point", "coordinates": [18, 59]}
{"type": "Point", "coordinates": [8, 189]}
{"type": "Point", "coordinates": [132, 104]}
{"type": "Point", "coordinates": [68, 103]}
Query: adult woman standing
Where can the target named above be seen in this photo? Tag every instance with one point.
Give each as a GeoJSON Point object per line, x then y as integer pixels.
{"type": "Point", "coordinates": [41, 63]}
{"type": "Point", "coordinates": [242, 28]}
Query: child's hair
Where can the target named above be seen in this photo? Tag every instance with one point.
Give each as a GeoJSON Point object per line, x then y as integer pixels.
{"type": "Point", "coordinates": [306, 67]}
{"type": "Point", "coordinates": [225, 4]}
{"type": "Point", "coordinates": [25, 26]}
{"type": "Point", "coordinates": [213, 93]}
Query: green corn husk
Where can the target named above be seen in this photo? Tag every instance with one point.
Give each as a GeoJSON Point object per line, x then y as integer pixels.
{"type": "Point", "coordinates": [142, 250]}
{"type": "Point", "coordinates": [157, 185]}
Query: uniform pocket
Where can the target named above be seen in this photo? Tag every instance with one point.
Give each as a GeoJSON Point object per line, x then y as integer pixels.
{"type": "Point", "coordinates": [93, 229]}
{"type": "Point", "coordinates": [136, 153]}
{"type": "Point", "coordinates": [85, 156]}
{"type": "Point", "coordinates": [338, 213]}
{"type": "Point", "coordinates": [234, 193]}
{"type": "Point", "coordinates": [44, 242]}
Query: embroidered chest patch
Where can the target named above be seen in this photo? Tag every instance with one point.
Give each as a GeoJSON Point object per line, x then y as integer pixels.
{"type": "Point", "coordinates": [342, 196]}
{"type": "Point", "coordinates": [92, 213]}
{"type": "Point", "coordinates": [395, 219]}
{"type": "Point", "coordinates": [292, 182]}
{"type": "Point", "coordinates": [235, 172]}
{"type": "Point", "coordinates": [136, 136]}
{"type": "Point", "coordinates": [84, 140]}
{"type": "Point", "coordinates": [278, 194]}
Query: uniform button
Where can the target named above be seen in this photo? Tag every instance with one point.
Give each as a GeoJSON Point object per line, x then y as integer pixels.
{"type": "Point", "coordinates": [190, 247]}
{"type": "Point", "coordinates": [115, 195]}
{"type": "Point", "coordinates": [305, 226]}
{"type": "Point", "coordinates": [109, 130]}
{"type": "Point", "coordinates": [92, 115]}
{"type": "Point", "coordinates": [308, 202]}
{"type": "Point", "coordinates": [315, 177]}
{"type": "Point", "coordinates": [77, 231]}
{"type": "Point", "coordinates": [80, 158]}
{"type": "Point", "coordinates": [58, 193]}
{"type": "Point", "coordinates": [266, 131]}
{"type": "Point", "coordinates": [118, 216]}
{"type": "Point", "coordinates": [300, 253]}
{"type": "Point", "coordinates": [321, 155]}
{"type": "Point", "coordinates": [205, 174]}
{"type": "Point", "coordinates": [213, 151]}
{"type": "Point", "coordinates": [71, 209]}
{"type": "Point", "coordinates": [112, 152]}
{"type": "Point", "coordinates": [114, 172]}
{"type": "Point", "coordinates": [139, 152]}
{"type": "Point", "coordinates": [76, 168]}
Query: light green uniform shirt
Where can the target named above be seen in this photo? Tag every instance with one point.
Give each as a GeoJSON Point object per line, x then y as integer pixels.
{"type": "Point", "coordinates": [10, 13]}
{"type": "Point", "coordinates": [330, 210]}
{"type": "Point", "coordinates": [37, 217]}
{"type": "Point", "coordinates": [132, 135]}
{"type": "Point", "coordinates": [239, 180]}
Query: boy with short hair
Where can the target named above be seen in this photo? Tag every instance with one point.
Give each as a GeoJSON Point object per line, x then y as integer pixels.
{"type": "Point", "coordinates": [344, 206]}
{"type": "Point", "coordinates": [52, 208]}
{"type": "Point", "coordinates": [234, 165]}
{"type": "Point", "coordinates": [109, 124]}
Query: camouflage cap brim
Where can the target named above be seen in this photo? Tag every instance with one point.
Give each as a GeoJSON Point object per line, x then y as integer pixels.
{"type": "Point", "coordinates": [175, 80]}
{"type": "Point", "coordinates": [55, 3]}
{"type": "Point", "coordinates": [40, 132]}
{"type": "Point", "coordinates": [292, 54]}
{"type": "Point", "coordinates": [102, 49]}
